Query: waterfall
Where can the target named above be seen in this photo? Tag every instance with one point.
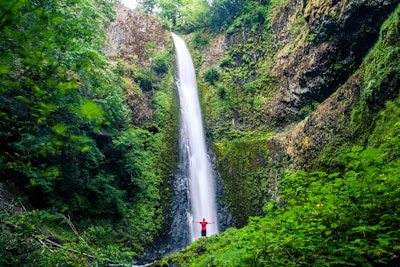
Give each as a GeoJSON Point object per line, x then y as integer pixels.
{"type": "Point", "coordinates": [195, 182]}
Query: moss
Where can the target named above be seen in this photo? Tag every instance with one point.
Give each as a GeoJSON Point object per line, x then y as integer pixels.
{"type": "Point", "coordinates": [168, 160]}
{"type": "Point", "coordinates": [247, 172]}
{"type": "Point", "coordinates": [379, 77]}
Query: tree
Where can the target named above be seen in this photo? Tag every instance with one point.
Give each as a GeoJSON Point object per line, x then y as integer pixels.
{"type": "Point", "coordinates": [148, 6]}
{"type": "Point", "coordinates": [223, 12]}
{"type": "Point", "coordinates": [54, 97]}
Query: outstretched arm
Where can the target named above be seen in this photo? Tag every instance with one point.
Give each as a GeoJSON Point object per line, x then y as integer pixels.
{"type": "Point", "coordinates": [195, 221]}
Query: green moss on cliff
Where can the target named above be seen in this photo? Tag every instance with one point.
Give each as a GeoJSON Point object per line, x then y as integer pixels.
{"type": "Point", "coordinates": [347, 217]}
{"type": "Point", "coordinates": [249, 175]}
{"type": "Point", "coordinates": [334, 219]}
{"type": "Point", "coordinates": [378, 79]}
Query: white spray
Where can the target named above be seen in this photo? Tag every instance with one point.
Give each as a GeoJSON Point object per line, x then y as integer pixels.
{"type": "Point", "coordinates": [202, 193]}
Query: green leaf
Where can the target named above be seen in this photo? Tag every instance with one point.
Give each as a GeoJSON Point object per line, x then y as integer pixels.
{"type": "Point", "coordinates": [4, 69]}
{"type": "Point", "coordinates": [60, 129]}
{"type": "Point", "coordinates": [328, 233]}
{"type": "Point", "coordinates": [91, 110]}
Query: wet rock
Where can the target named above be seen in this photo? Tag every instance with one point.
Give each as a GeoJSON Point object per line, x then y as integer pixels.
{"type": "Point", "coordinates": [321, 44]}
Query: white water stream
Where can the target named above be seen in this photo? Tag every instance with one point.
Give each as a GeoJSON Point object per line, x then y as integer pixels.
{"type": "Point", "coordinates": [192, 139]}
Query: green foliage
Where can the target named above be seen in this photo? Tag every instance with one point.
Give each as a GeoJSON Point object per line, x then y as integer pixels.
{"type": "Point", "coordinates": [146, 5]}
{"type": "Point", "coordinates": [192, 15]}
{"type": "Point", "coordinates": [149, 78]}
{"type": "Point", "coordinates": [387, 130]}
{"type": "Point", "coordinates": [307, 110]}
{"type": "Point", "coordinates": [145, 77]}
{"type": "Point", "coordinates": [223, 12]}
{"type": "Point", "coordinates": [337, 219]}
{"type": "Point", "coordinates": [211, 75]}
{"type": "Point", "coordinates": [239, 98]}
{"type": "Point", "coordinates": [245, 164]}
{"type": "Point", "coordinates": [161, 62]}
{"type": "Point", "coordinates": [200, 39]}
{"type": "Point", "coordinates": [25, 241]}
{"type": "Point", "coordinates": [381, 75]}
{"type": "Point", "coordinates": [68, 142]}
{"type": "Point", "coordinates": [226, 62]}
{"type": "Point", "coordinates": [40, 89]}
{"type": "Point", "coordinates": [232, 108]}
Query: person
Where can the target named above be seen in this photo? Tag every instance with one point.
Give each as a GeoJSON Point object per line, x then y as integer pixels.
{"type": "Point", "coordinates": [203, 228]}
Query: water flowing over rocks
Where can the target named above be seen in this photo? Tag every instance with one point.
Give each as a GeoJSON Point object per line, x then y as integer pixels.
{"type": "Point", "coordinates": [320, 45]}
{"type": "Point", "coordinates": [193, 144]}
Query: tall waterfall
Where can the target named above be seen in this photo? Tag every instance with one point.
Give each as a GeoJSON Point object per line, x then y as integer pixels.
{"type": "Point", "coordinates": [196, 174]}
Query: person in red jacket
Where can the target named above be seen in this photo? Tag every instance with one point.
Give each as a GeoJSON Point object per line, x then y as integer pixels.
{"type": "Point", "coordinates": [203, 228]}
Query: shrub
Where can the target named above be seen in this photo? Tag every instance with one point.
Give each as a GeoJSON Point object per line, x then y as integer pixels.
{"type": "Point", "coordinates": [211, 75]}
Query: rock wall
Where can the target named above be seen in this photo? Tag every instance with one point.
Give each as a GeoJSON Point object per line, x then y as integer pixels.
{"type": "Point", "coordinates": [213, 53]}
{"type": "Point", "coordinates": [347, 116]}
{"type": "Point", "coordinates": [128, 39]}
{"type": "Point", "coordinates": [320, 49]}
{"type": "Point", "coordinates": [130, 33]}
{"type": "Point", "coordinates": [320, 43]}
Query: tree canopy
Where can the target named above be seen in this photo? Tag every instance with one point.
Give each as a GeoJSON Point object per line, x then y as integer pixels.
{"type": "Point", "coordinates": [190, 15]}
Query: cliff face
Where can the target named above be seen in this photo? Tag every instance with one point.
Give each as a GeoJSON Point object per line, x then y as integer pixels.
{"type": "Point", "coordinates": [348, 116]}
{"type": "Point", "coordinates": [324, 63]}
{"type": "Point", "coordinates": [318, 60]}
{"type": "Point", "coordinates": [130, 38]}
{"type": "Point", "coordinates": [130, 34]}
{"type": "Point", "coordinates": [320, 44]}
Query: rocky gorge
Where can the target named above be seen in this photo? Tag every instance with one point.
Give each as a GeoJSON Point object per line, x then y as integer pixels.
{"type": "Point", "coordinates": [300, 105]}
{"type": "Point", "coordinates": [319, 47]}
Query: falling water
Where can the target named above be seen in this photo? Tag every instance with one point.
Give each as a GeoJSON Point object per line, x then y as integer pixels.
{"type": "Point", "coordinates": [195, 164]}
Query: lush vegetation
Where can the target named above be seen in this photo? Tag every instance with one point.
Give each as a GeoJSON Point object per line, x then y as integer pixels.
{"type": "Point", "coordinates": [92, 172]}
{"type": "Point", "coordinates": [344, 215]}
{"type": "Point", "coordinates": [191, 15]}
{"type": "Point", "coordinates": [68, 147]}
{"type": "Point", "coordinates": [250, 166]}
{"type": "Point", "coordinates": [235, 97]}
{"type": "Point", "coordinates": [321, 219]}
{"type": "Point", "coordinates": [346, 218]}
